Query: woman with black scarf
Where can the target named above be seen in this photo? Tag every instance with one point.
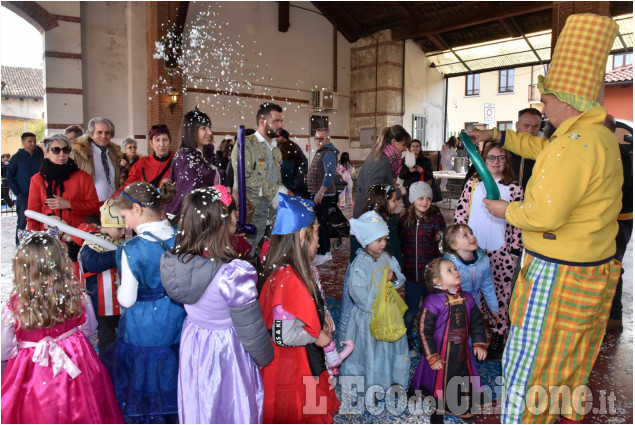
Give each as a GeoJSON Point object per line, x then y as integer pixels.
{"type": "Point", "coordinates": [60, 188]}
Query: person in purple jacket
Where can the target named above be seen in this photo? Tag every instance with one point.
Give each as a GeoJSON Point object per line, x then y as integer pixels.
{"type": "Point", "coordinates": [452, 333]}
{"type": "Point", "coordinates": [194, 164]}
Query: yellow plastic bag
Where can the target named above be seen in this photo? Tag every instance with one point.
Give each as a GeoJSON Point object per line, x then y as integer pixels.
{"type": "Point", "coordinates": [386, 323]}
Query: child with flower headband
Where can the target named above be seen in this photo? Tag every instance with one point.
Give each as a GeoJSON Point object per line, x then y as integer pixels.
{"type": "Point", "coordinates": [144, 359]}
{"type": "Point", "coordinates": [298, 388]}
{"type": "Point", "coordinates": [53, 372]}
{"type": "Point", "coordinates": [380, 362]}
{"type": "Point", "coordinates": [224, 338]}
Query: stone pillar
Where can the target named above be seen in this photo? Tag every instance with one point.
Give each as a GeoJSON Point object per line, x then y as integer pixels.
{"type": "Point", "coordinates": [157, 16]}
{"type": "Point", "coordinates": [561, 11]}
{"type": "Point", "coordinates": [62, 68]}
{"type": "Point", "coordinates": [377, 65]}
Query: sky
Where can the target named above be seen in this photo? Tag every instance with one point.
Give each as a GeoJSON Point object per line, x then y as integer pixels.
{"type": "Point", "coordinates": [20, 42]}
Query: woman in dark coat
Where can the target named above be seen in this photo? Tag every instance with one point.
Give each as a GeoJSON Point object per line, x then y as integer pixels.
{"type": "Point", "coordinates": [382, 165]}
{"type": "Point", "coordinates": [421, 171]}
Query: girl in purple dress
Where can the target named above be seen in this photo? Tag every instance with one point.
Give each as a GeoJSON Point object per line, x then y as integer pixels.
{"type": "Point", "coordinates": [224, 337]}
{"type": "Point", "coordinates": [452, 333]}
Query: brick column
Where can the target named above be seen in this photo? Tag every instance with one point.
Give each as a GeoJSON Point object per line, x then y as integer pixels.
{"type": "Point", "coordinates": [376, 83]}
{"type": "Point", "coordinates": [561, 11]}
{"type": "Point", "coordinates": [158, 14]}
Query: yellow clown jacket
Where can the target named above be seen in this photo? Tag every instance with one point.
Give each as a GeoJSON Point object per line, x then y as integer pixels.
{"type": "Point", "coordinates": [574, 195]}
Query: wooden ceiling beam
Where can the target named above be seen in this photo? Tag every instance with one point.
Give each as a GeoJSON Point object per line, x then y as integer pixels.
{"type": "Point", "coordinates": [438, 42]}
{"type": "Point", "coordinates": [510, 27]}
{"type": "Point", "coordinates": [338, 16]}
{"type": "Point", "coordinates": [506, 10]}
{"type": "Point", "coordinates": [410, 15]}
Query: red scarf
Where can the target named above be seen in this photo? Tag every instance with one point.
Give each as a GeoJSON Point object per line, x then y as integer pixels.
{"type": "Point", "coordinates": [395, 159]}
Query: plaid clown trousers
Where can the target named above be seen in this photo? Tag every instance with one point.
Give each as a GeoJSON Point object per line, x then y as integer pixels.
{"type": "Point", "coordinates": [558, 318]}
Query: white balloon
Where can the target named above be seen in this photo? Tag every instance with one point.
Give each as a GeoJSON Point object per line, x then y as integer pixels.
{"type": "Point", "coordinates": [73, 231]}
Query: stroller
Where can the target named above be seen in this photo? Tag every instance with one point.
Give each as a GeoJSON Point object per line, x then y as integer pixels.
{"type": "Point", "coordinates": [338, 224]}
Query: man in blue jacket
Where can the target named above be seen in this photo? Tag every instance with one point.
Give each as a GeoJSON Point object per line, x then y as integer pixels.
{"type": "Point", "coordinates": [22, 166]}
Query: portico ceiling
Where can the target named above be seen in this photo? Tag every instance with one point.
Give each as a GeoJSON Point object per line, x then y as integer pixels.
{"type": "Point", "coordinates": [463, 37]}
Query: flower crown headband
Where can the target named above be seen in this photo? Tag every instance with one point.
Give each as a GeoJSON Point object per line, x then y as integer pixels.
{"type": "Point", "coordinates": [217, 193]}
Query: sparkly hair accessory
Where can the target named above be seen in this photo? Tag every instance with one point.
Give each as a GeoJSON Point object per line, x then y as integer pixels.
{"type": "Point", "coordinates": [294, 213]}
{"type": "Point", "coordinates": [225, 197]}
{"type": "Point", "coordinates": [25, 235]}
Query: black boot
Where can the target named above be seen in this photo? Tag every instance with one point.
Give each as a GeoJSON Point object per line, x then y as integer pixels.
{"type": "Point", "coordinates": [495, 349]}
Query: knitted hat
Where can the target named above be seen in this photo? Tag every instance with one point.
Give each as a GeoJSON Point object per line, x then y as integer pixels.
{"type": "Point", "coordinates": [579, 60]}
{"type": "Point", "coordinates": [293, 214]}
{"type": "Point", "coordinates": [110, 215]}
{"type": "Point", "coordinates": [419, 189]}
{"type": "Point", "coordinates": [368, 228]}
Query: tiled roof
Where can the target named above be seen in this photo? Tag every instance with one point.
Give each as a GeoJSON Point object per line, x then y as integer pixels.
{"type": "Point", "coordinates": [22, 82]}
{"type": "Point", "coordinates": [619, 75]}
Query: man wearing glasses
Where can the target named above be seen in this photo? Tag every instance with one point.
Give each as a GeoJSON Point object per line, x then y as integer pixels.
{"type": "Point", "coordinates": [98, 156]}
{"type": "Point", "coordinates": [22, 166]}
{"type": "Point", "coordinates": [320, 181]}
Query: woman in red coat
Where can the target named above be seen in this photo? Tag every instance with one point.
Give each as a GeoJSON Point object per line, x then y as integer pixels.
{"type": "Point", "coordinates": [156, 167]}
{"type": "Point", "coordinates": [61, 188]}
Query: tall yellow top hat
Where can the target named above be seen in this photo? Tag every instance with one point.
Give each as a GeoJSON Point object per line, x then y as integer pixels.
{"type": "Point", "coordinates": [579, 60]}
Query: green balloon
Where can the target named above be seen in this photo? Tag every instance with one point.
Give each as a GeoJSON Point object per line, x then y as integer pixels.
{"type": "Point", "coordinates": [490, 184]}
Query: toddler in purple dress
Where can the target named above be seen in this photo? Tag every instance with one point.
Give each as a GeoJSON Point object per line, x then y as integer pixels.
{"type": "Point", "coordinates": [224, 338]}
{"type": "Point", "coordinates": [452, 333]}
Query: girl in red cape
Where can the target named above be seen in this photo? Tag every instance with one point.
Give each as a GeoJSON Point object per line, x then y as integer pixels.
{"type": "Point", "coordinates": [297, 385]}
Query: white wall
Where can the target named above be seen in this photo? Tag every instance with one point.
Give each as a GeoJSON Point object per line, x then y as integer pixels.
{"type": "Point", "coordinates": [114, 65]}
{"type": "Point", "coordinates": [64, 73]}
{"type": "Point", "coordinates": [267, 63]}
{"type": "Point", "coordinates": [425, 91]}
{"type": "Point", "coordinates": [462, 109]}
{"type": "Point", "coordinates": [22, 108]}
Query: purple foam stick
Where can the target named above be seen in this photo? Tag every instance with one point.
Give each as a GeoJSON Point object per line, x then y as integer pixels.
{"type": "Point", "coordinates": [242, 227]}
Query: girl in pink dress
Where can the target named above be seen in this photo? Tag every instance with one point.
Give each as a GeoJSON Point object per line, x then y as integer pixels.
{"type": "Point", "coordinates": [53, 374]}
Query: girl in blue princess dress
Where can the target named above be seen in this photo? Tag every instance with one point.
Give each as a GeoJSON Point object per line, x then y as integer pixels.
{"type": "Point", "coordinates": [144, 360]}
{"type": "Point", "coordinates": [381, 363]}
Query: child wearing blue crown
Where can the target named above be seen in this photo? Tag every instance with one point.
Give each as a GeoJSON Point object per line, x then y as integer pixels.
{"type": "Point", "coordinates": [294, 312]}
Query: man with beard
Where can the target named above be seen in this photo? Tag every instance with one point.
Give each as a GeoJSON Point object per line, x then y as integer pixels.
{"type": "Point", "coordinates": [561, 302]}
{"type": "Point", "coordinates": [262, 167]}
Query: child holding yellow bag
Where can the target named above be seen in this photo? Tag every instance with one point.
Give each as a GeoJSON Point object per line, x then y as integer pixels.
{"type": "Point", "coordinates": [380, 362]}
